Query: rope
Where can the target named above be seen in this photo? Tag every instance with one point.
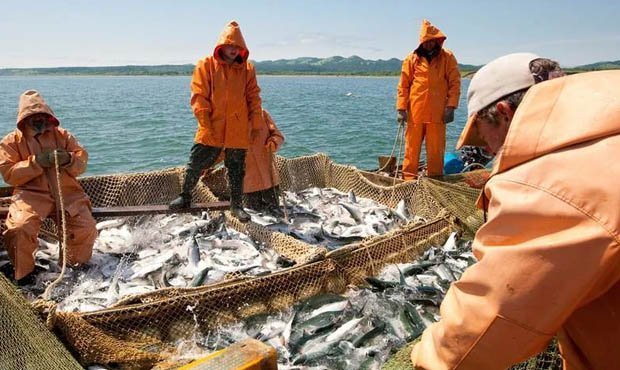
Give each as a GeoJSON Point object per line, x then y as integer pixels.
{"type": "Point", "coordinates": [401, 136]}
{"type": "Point", "coordinates": [401, 150]}
{"type": "Point", "coordinates": [62, 247]}
{"type": "Point", "coordinates": [399, 141]}
{"type": "Point", "coordinates": [398, 135]}
{"type": "Point", "coordinates": [46, 307]}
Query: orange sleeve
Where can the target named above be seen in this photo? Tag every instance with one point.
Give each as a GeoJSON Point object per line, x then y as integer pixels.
{"type": "Point", "coordinates": [404, 84]}
{"type": "Point", "coordinates": [15, 170]}
{"type": "Point", "coordinates": [539, 260]}
{"type": "Point", "coordinates": [201, 92]}
{"type": "Point", "coordinates": [274, 133]}
{"type": "Point", "coordinates": [453, 75]}
{"type": "Point", "coordinates": [252, 93]}
{"type": "Point", "coordinates": [79, 156]}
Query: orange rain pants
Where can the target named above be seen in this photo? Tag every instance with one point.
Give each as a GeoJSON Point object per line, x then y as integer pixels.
{"type": "Point", "coordinates": [23, 225]}
{"type": "Point", "coordinates": [415, 133]}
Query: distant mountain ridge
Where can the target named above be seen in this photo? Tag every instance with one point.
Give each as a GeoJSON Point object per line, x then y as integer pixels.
{"type": "Point", "coordinates": [336, 65]}
{"type": "Point", "coordinates": [600, 65]}
{"type": "Point", "coordinates": [331, 65]}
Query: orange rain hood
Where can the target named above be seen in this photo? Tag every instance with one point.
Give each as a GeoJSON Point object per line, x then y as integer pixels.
{"type": "Point", "coordinates": [231, 35]}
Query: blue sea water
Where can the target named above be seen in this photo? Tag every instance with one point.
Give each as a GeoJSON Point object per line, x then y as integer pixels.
{"type": "Point", "coordinates": [131, 124]}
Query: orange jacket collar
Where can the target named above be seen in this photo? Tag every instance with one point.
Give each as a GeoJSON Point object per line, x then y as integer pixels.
{"type": "Point", "coordinates": [543, 127]}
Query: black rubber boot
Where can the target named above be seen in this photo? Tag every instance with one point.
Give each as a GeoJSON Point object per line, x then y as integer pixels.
{"type": "Point", "coordinates": [272, 204]}
{"type": "Point", "coordinates": [8, 271]}
{"type": "Point", "coordinates": [254, 201]}
{"type": "Point", "coordinates": [235, 163]}
{"type": "Point", "coordinates": [200, 157]}
{"type": "Point", "coordinates": [28, 280]}
{"type": "Point", "coordinates": [237, 210]}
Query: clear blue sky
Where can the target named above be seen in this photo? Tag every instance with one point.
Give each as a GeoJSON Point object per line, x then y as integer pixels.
{"type": "Point", "coordinates": [40, 33]}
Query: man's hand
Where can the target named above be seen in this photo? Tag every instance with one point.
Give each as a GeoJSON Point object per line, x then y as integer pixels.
{"type": "Point", "coordinates": [448, 115]}
{"type": "Point", "coordinates": [401, 116]}
{"type": "Point", "coordinates": [46, 158]}
{"type": "Point", "coordinates": [271, 145]}
{"type": "Point", "coordinates": [64, 157]}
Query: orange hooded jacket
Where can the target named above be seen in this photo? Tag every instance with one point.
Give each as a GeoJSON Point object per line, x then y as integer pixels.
{"type": "Point", "coordinates": [226, 98]}
{"type": "Point", "coordinates": [259, 170]}
{"type": "Point", "coordinates": [426, 89]}
{"type": "Point", "coordinates": [35, 188]}
{"type": "Point", "coordinates": [549, 254]}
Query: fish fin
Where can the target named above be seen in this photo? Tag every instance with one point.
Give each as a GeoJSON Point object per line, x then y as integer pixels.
{"type": "Point", "coordinates": [402, 280]}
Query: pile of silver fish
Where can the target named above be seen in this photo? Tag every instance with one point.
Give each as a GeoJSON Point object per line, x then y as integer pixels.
{"type": "Point", "coordinates": [356, 330]}
{"type": "Point", "coordinates": [142, 255]}
{"type": "Point", "coordinates": [331, 218]}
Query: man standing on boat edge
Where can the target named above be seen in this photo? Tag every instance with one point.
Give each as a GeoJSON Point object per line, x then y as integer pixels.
{"type": "Point", "coordinates": [27, 162]}
{"type": "Point", "coordinates": [428, 93]}
{"type": "Point", "coordinates": [549, 253]}
{"type": "Point", "coordinates": [226, 102]}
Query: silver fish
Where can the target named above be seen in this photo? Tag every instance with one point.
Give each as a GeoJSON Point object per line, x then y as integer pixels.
{"type": "Point", "coordinates": [109, 224]}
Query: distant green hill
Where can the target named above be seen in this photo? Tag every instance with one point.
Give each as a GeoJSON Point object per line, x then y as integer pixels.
{"type": "Point", "coordinates": [597, 66]}
{"type": "Point", "coordinates": [182, 69]}
{"type": "Point", "coordinates": [337, 65]}
{"type": "Point", "coordinates": [333, 65]}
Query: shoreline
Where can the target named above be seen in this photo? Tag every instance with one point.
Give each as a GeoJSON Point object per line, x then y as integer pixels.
{"type": "Point", "coordinates": [463, 75]}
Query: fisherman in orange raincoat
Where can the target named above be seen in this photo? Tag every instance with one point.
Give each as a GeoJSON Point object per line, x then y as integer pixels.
{"type": "Point", "coordinates": [227, 105]}
{"type": "Point", "coordinates": [260, 185]}
{"type": "Point", "coordinates": [549, 253]}
{"type": "Point", "coordinates": [428, 93]}
{"type": "Point", "coordinates": [27, 162]}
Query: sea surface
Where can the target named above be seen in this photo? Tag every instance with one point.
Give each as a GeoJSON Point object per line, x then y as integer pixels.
{"type": "Point", "coordinates": [131, 124]}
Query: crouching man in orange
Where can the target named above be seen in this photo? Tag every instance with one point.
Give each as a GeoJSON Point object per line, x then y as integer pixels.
{"type": "Point", "coordinates": [260, 185]}
{"type": "Point", "coordinates": [548, 256]}
{"type": "Point", "coordinates": [28, 163]}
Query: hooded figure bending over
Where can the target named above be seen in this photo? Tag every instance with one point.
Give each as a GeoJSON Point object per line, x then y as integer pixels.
{"type": "Point", "coordinates": [227, 105]}
{"type": "Point", "coordinates": [27, 162]}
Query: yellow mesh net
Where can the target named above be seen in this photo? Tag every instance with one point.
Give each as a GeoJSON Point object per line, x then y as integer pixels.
{"type": "Point", "coordinates": [459, 200]}
{"type": "Point", "coordinates": [25, 342]}
{"type": "Point", "coordinates": [140, 332]}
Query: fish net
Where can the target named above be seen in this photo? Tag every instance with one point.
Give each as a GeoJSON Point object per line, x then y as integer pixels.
{"type": "Point", "coordinates": [142, 331]}
{"type": "Point", "coordinates": [548, 360]}
{"type": "Point", "coordinates": [320, 171]}
{"type": "Point", "coordinates": [25, 342]}
{"type": "Point", "coordinates": [459, 200]}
